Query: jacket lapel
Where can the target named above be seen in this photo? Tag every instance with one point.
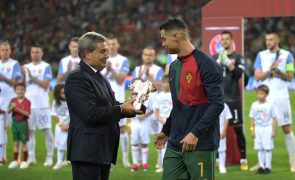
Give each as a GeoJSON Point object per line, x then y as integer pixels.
{"type": "Point", "coordinates": [103, 84]}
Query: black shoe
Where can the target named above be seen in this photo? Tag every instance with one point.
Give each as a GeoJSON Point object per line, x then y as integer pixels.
{"type": "Point", "coordinates": [260, 170]}
{"type": "Point", "coordinates": [267, 171]}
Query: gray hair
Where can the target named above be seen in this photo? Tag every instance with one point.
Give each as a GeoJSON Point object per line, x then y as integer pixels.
{"type": "Point", "coordinates": [88, 42]}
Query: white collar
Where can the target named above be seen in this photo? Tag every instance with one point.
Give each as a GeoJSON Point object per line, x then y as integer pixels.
{"type": "Point", "coordinates": [91, 67]}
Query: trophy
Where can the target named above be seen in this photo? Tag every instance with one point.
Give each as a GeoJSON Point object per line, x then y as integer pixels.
{"type": "Point", "coordinates": [140, 91]}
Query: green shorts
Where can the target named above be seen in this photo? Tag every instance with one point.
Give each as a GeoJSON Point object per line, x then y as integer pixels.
{"type": "Point", "coordinates": [195, 165]}
{"type": "Point", "coordinates": [19, 130]}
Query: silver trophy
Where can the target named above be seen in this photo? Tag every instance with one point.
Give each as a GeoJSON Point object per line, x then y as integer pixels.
{"type": "Point", "coordinates": [140, 91]}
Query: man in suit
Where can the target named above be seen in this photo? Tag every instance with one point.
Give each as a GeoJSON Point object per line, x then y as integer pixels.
{"type": "Point", "coordinates": [94, 112]}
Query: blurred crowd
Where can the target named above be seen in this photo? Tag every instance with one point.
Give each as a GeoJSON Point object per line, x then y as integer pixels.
{"type": "Point", "coordinates": [52, 23]}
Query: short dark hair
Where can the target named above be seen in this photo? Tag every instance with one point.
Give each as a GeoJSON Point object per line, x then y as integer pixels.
{"type": "Point", "coordinates": [36, 45]}
{"type": "Point", "coordinates": [5, 43]}
{"type": "Point", "coordinates": [19, 83]}
{"type": "Point", "coordinates": [271, 31]}
{"type": "Point", "coordinates": [74, 39]}
{"type": "Point", "coordinates": [173, 24]}
{"type": "Point", "coordinates": [112, 36]}
{"type": "Point", "coordinates": [263, 88]}
{"type": "Point", "coordinates": [227, 32]}
{"type": "Point", "coordinates": [88, 42]}
{"type": "Point", "coordinates": [150, 47]}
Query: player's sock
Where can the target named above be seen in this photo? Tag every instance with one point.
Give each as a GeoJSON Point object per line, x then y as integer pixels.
{"type": "Point", "coordinates": [268, 157]}
{"type": "Point", "coordinates": [290, 145]}
{"type": "Point", "coordinates": [124, 145]}
{"type": "Point", "coordinates": [60, 155]}
{"type": "Point", "coordinates": [1, 153]}
{"type": "Point", "coordinates": [144, 155]}
{"type": "Point", "coordinates": [5, 144]}
{"type": "Point", "coordinates": [15, 156]}
{"type": "Point", "coordinates": [25, 155]}
{"type": "Point", "coordinates": [241, 141]}
{"type": "Point", "coordinates": [49, 143]}
{"type": "Point", "coordinates": [159, 159]}
{"type": "Point", "coordinates": [222, 157]}
{"type": "Point", "coordinates": [163, 153]}
{"type": "Point", "coordinates": [31, 145]}
{"type": "Point", "coordinates": [261, 155]}
{"type": "Point", "coordinates": [135, 154]}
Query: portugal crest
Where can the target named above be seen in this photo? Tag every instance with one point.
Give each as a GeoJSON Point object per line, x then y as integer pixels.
{"type": "Point", "coordinates": [188, 77]}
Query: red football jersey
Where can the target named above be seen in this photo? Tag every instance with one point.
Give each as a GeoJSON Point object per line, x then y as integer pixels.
{"type": "Point", "coordinates": [24, 105]}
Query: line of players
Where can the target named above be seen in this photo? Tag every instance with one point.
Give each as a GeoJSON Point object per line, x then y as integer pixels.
{"type": "Point", "coordinates": [38, 74]}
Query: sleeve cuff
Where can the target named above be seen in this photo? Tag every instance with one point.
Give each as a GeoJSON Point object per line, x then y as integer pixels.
{"type": "Point", "coordinates": [196, 132]}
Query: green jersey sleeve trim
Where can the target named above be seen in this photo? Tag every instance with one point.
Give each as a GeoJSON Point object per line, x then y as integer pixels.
{"type": "Point", "coordinates": [290, 67]}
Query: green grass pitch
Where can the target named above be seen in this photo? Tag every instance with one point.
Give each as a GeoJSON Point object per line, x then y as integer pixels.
{"type": "Point", "coordinates": [39, 172]}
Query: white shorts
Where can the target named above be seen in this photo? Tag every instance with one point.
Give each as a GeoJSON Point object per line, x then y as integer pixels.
{"type": "Point", "coordinates": [283, 111]}
{"type": "Point", "coordinates": [60, 141]}
{"type": "Point", "coordinates": [123, 122]}
{"type": "Point", "coordinates": [263, 138]}
{"type": "Point", "coordinates": [40, 118]}
{"type": "Point", "coordinates": [222, 145]}
{"type": "Point", "coordinates": [139, 132]}
{"type": "Point", "coordinates": [155, 126]}
{"type": "Point", "coordinates": [2, 131]}
{"type": "Point", "coordinates": [7, 119]}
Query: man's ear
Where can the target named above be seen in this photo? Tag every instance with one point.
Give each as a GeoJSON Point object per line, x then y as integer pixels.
{"type": "Point", "coordinates": [86, 54]}
{"type": "Point", "coordinates": [175, 37]}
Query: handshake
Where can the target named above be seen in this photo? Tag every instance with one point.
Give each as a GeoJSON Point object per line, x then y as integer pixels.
{"type": "Point", "coordinates": [223, 58]}
{"type": "Point", "coordinates": [140, 93]}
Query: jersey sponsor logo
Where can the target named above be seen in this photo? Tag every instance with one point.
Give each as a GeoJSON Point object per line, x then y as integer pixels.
{"type": "Point", "coordinates": [39, 71]}
{"type": "Point", "coordinates": [188, 77]}
{"type": "Point", "coordinates": [8, 69]}
{"type": "Point", "coordinates": [215, 45]}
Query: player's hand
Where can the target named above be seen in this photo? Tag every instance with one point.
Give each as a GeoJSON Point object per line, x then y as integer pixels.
{"type": "Point", "coordinates": [222, 134]}
{"type": "Point", "coordinates": [29, 73]}
{"type": "Point", "coordinates": [70, 66]}
{"type": "Point", "coordinates": [160, 140]}
{"type": "Point", "coordinates": [189, 142]}
{"type": "Point", "coordinates": [162, 120]}
{"type": "Point", "coordinates": [141, 117]}
{"type": "Point", "coordinates": [128, 108]}
{"type": "Point", "coordinates": [1, 77]}
{"type": "Point", "coordinates": [64, 127]}
{"type": "Point", "coordinates": [109, 66]}
{"type": "Point", "coordinates": [23, 70]}
{"type": "Point", "coordinates": [12, 106]}
{"type": "Point", "coordinates": [273, 134]}
{"type": "Point", "coordinates": [274, 65]}
{"type": "Point", "coordinates": [147, 72]}
{"type": "Point", "coordinates": [252, 134]}
{"type": "Point", "coordinates": [140, 74]}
